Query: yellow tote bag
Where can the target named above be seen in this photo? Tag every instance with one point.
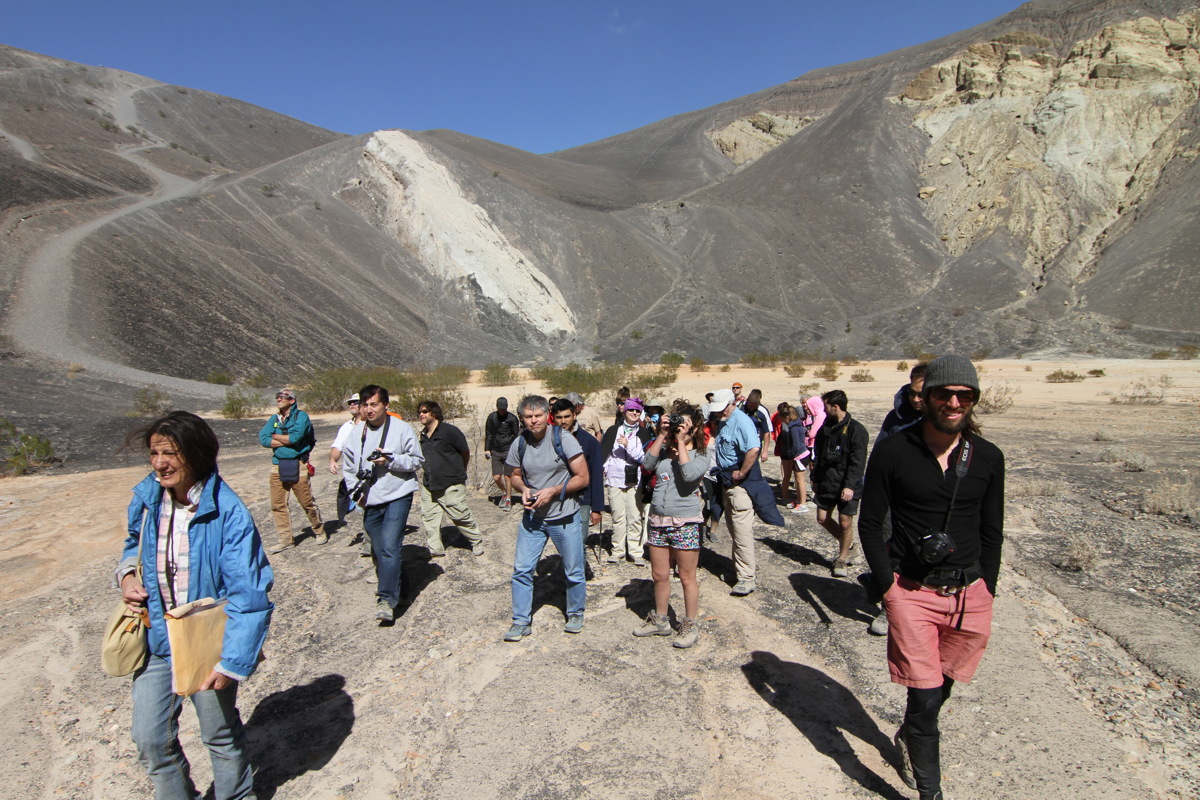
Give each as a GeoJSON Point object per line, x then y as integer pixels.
{"type": "Point", "coordinates": [196, 631]}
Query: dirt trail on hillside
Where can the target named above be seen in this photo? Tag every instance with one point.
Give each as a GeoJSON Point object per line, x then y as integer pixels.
{"type": "Point", "coordinates": [785, 695]}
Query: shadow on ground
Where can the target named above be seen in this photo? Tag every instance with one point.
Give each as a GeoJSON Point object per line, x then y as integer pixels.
{"type": "Point", "coordinates": [835, 595]}
{"type": "Point", "coordinates": [824, 711]}
{"type": "Point", "coordinates": [296, 731]}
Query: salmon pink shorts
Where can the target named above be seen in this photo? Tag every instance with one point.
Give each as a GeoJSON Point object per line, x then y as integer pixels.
{"type": "Point", "coordinates": [930, 635]}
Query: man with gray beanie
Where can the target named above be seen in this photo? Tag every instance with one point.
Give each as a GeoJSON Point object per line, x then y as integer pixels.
{"type": "Point", "coordinates": [944, 486]}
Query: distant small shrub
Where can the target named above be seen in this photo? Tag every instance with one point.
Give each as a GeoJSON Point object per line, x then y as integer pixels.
{"type": "Point", "coordinates": [587, 381]}
{"type": "Point", "coordinates": [1174, 496]}
{"type": "Point", "coordinates": [723, 368]}
{"type": "Point", "coordinates": [74, 369]}
{"type": "Point", "coordinates": [220, 378]}
{"type": "Point", "coordinates": [268, 189]}
{"type": "Point", "coordinates": [828, 372]}
{"type": "Point", "coordinates": [497, 374]}
{"type": "Point", "coordinates": [1096, 373]}
{"type": "Point", "coordinates": [901, 366]}
{"type": "Point", "coordinates": [1063, 376]}
{"type": "Point", "coordinates": [21, 453]}
{"type": "Point", "coordinates": [861, 376]}
{"type": "Point", "coordinates": [1103, 435]}
{"type": "Point", "coordinates": [1187, 352]}
{"type": "Point", "coordinates": [150, 401]}
{"type": "Point", "coordinates": [874, 341]}
{"type": "Point", "coordinates": [997, 398]}
{"type": "Point", "coordinates": [850, 361]}
{"type": "Point", "coordinates": [636, 334]}
{"type": "Point", "coordinates": [795, 370]}
{"type": "Point", "coordinates": [453, 402]}
{"type": "Point", "coordinates": [1144, 392]}
{"type": "Point", "coordinates": [646, 384]}
{"type": "Point", "coordinates": [759, 359]}
{"type": "Point", "coordinates": [1137, 462]}
{"type": "Point", "coordinates": [958, 311]}
{"type": "Point", "coordinates": [1029, 367]}
{"type": "Point", "coordinates": [698, 365]}
{"type": "Point", "coordinates": [918, 354]}
{"type": "Point", "coordinates": [749, 299]}
{"type": "Point", "coordinates": [672, 360]}
{"type": "Point", "coordinates": [1112, 455]}
{"type": "Point", "coordinates": [809, 388]}
{"type": "Point", "coordinates": [981, 354]}
{"type": "Point", "coordinates": [1160, 355]}
{"type": "Point", "coordinates": [1035, 487]}
{"type": "Point", "coordinates": [1082, 553]}
{"type": "Point", "coordinates": [241, 403]}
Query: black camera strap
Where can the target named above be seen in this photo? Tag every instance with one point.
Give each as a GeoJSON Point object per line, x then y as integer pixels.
{"type": "Point", "coordinates": [960, 469]}
{"type": "Point", "coordinates": [362, 447]}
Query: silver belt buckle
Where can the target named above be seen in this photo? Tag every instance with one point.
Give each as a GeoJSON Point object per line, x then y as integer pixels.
{"type": "Point", "coordinates": [948, 591]}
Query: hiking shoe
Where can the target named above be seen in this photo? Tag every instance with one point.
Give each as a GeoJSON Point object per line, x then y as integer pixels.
{"type": "Point", "coordinates": [437, 552]}
{"type": "Point", "coordinates": [655, 625]}
{"type": "Point", "coordinates": [477, 549]}
{"type": "Point", "coordinates": [279, 548]}
{"type": "Point", "coordinates": [321, 536]}
{"type": "Point", "coordinates": [639, 562]}
{"type": "Point", "coordinates": [505, 503]}
{"type": "Point", "coordinates": [879, 625]}
{"type": "Point", "coordinates": [743, 588]}
{"type": "Point", "coordinates": [383, 611]}
{"type": "Point", "coordinates": [839, 568]}
{"type": "Point", "coordinates": [904, 770]}
{"type": "Point", "coordinates": [517, 632]}
{"type": "Point", "coordinates": [613, 558]}
{"type": "Point", "coordinates": [689, 629]}
{"type": "Point", "coordinates": [798, 508]}
{"type": "Point", "coordinates": [574, 623]}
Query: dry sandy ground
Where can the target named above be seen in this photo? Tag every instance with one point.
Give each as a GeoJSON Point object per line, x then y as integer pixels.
{"type": "Point", "coordinates": [1088, 689]}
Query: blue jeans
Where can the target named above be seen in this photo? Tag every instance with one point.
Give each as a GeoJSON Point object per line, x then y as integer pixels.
{"type": "Point", "coordinates": [385, 525]}
{"type": "Point", "coordinates": [156, 710]}
{"type": "Point", "coordinates": [531, 541]}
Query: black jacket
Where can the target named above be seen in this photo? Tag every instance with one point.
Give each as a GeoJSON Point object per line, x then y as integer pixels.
{"type": "Point", "coordinates": [839, 457]}
{"type": "Point", "coordinates": [499, 434]}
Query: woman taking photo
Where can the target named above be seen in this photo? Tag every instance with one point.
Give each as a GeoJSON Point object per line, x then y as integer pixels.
{"type": "Point", "coordinates": [193, 538]}
{"type": "Point", "coordinates": [679, 459]}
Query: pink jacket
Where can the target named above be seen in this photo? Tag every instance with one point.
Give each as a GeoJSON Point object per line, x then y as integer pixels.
{"type": "Point", "coordinates": [816, 410]}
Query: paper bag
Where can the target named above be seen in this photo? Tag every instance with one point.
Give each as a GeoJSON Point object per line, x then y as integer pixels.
{"type": "Point", "coordinates": [196, 632]}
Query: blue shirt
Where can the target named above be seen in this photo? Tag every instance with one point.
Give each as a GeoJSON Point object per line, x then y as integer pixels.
{"type": "Point", "coordinates": [737, 437]}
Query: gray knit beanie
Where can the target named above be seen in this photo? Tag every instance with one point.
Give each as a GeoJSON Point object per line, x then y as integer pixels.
{"type": "Point", "coordinates": [951, 371]}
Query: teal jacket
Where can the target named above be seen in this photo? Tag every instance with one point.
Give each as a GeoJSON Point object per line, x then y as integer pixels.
{"type": "Point", "coordinates": [299, 430]}
{"type": "Point", "coordinates": [226, 560]}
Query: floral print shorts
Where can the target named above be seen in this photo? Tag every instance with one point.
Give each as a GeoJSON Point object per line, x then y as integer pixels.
{"type": "Point", "coordinates": [682, 537]}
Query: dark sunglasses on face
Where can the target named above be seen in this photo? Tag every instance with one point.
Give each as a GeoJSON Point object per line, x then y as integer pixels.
{"type": "Point", "coordinates": [941, 394]}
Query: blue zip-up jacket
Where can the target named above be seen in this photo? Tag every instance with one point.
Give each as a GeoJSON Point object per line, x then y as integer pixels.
{"type": "Point", "coordinates": [299, 430]}
{"type": "Point", "coordinates": [226, 560]}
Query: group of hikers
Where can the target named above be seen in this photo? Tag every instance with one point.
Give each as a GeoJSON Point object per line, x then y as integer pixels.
{"type": "Point", "coordinates": [930, 526]}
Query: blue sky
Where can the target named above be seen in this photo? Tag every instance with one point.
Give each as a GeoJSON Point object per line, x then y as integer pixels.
{"type": "Point", "coordinates": [542, 75]}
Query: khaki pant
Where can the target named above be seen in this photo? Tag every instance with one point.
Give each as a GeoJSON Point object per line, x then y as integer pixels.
{"type": "Point", "coordinates": [452, 503]}
{"type": "Point", "coordinates": [627, 521]}
{"type": "Point", "coordinates": [739, 517]}
{"type": "Point", "coordinates": [304, 496]}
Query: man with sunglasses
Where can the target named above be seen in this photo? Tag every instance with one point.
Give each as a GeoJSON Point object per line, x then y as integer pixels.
{"type": "Point", "coordinates": [944, 486]}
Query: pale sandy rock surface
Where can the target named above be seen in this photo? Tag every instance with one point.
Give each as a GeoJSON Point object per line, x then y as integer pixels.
{"type": "Point", "coordinates": [1088, 688]}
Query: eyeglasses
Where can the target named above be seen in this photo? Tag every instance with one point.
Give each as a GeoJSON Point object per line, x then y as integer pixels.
{"type": "Point", "coordinates": [965, 397]}
{"type": "Point", "coordinates": [353, 403]}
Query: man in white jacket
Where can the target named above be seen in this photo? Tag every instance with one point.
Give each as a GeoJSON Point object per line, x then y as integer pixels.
{"type": "Point", "coordinates": [380, 459]}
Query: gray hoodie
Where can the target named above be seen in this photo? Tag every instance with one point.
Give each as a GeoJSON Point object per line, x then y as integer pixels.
{"type": "Point", "coordinates": [677, 490]}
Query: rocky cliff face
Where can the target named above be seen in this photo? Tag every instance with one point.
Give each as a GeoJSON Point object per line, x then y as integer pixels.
{"type": "Point", "coordinates": [1028, 184]}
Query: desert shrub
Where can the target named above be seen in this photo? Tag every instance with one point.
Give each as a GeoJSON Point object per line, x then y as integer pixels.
{"type": "Point", "coordinates": [241, 403]}
{"type": "Point", "coordinates": [74, 369]}
{"type": "Point", "coordinates": [698, 365]}
{"type": "Point", "coordinates": [636, 334]}
{"type": "Point", "coordinates": [874, 341]}
{"type": "Point", "coordinates": [646, 384]}
{"type": "Point", "coordinates": [759, 359]}
{"type": "Point", "coordinates": [1035, 487]}
{"type": "Point", "coordinates": [219, 377]}
{"type": "Point", "coordinates": [1147, 392]}
{"type": "Point", "coordinates": [850, 361]}
{"type": "Point", "coordinates": [918, 354]}
{"type": "Point", "coordinates": [1112, 455]}
{"type": "Point", "coordinates": [1082, 553]}
{"type": "Point", "coordinates": [497, 374]}
{"type": "Point", "coordinates": [327, 389]}
{"type": "Point", "coordinates": [1103, 435]}
{"type": "Point", "coordinates": [901, 366]}
{"type": "Point", "coordinates": [1187, 352]}
{"type": "Point", "coordinates": [1029, 367]}
{"type": "Point", "coordinates": [981, 354]}
{"type": "Point", "coordinates": [21, 453]}
{"type": "Point", "coordinates": [1137, 462]}
{"type": "Point", "coordinates": [150, 401]}
{"type": "Point", "coordinates": [828, 372]}
{"type": "Point", "coordinates": [453, 402]}
{"type": "Point", "coordinates": [446, 376]}
{"type": "Point", "coordinates": [861, 376]}
{"type": "Point", "coordinates": [1064, 376]}
{"type": "Point", "coordinates": [997, 398]}
{"type": "Point", "coordinates": [795, 370]}
{"type": "Point", "coordinates": [268, 189]}
{"type": "Point", "coordinates": [1160, 355]}
{"type": "Point", "coordinates": [672, 360]}
{"type": "Point", "coordinates": [258, 380]}
{"type": "Point", "coordinates": [1174, 496]}
{"type": "Point", "coordinates": [1095, 373]}
{"type": "Point", "coordinates": [809, 388]}
{"type": "Point", "coordinates": [724, 368]}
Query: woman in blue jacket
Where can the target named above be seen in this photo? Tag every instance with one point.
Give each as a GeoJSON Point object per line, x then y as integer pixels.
{"type": "Point", "coordinates": [197, 540]}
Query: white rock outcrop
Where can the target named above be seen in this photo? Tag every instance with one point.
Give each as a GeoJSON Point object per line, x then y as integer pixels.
{"type": "Point", "coordinates": [420, 203]}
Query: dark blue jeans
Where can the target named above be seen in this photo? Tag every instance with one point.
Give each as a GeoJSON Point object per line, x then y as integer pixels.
{"type": "Point", "coordinates": [385, 525]}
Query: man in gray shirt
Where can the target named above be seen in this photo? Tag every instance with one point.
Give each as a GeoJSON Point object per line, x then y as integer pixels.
{"type": "Point", "coordinates": [548, 469]}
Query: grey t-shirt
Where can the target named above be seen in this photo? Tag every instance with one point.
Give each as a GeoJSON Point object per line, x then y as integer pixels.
{"type": "Point", "coordinates": [542, 467]}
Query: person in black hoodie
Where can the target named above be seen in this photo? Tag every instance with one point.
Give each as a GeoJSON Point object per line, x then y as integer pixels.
{"type": "Point", "coordinates": [839, 460]}
{"type": "Point", "coordinates": [907, 406]}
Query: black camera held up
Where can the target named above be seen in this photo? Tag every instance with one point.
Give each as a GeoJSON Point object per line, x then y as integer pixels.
{"type": "Point", "coordinates": [674, 423]}
{"type": "Point", "coordinates": [366, 479]}
{"type": "Point", "coordinates": [935, 546]}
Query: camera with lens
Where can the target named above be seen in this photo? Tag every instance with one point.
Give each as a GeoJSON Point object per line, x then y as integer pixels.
{"type": "Point", "coordinates": [935, 546]}
{"type": "Point", "coordinates": [674, 423]}
{"type": "Point", "coordinates": [366, 479]}
{"type": "Point", "coordinates": [376, 453]}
